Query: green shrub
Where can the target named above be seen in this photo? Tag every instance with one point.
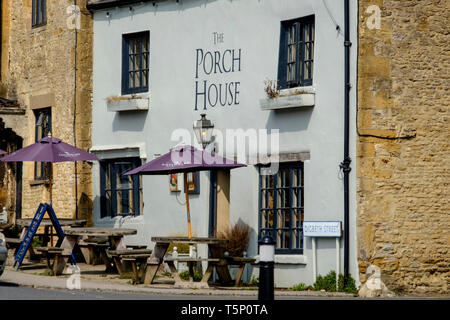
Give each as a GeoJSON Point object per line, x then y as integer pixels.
{"type": "Point", "coordinates": [252, 283]}
{"type": "Point", "coordinates": [300, 287]}
{"type": "Point", "coordinates": [328, 283]}
{"type": "Point", "coordinates": [36, 242]}
{"type": "Point", "coordinates": [197, 276]}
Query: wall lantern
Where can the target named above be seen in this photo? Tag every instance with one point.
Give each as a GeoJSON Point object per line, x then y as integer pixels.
{"type": "Point", "coordinates": [203, 129]}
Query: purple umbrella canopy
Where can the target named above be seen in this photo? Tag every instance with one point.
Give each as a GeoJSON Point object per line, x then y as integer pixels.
{"type": "Point", "coordinates": [2, 152]}
{"type": "Point", "coordinates": [50, 149]}
{"type": "Point", "coordinates": [184, 159]}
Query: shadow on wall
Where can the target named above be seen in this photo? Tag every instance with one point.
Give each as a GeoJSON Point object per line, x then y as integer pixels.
{"type": "Point", "coordinates": [85, 209]}
{"type": "Point", "coordinates": [290, 120]}
{"type": "Point", "coordinates": [129, 121]}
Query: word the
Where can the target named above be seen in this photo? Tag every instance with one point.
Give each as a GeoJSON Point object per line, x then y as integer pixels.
{"type": "Point", "coordinates": [218, 37]}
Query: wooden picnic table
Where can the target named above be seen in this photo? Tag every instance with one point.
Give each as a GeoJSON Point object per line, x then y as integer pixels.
{"type": "Point", "coordinates": [46, 236]}
{"type": "Point", "coordinates": [215, 260]}
{"type": "Point", "coordinates": [48, 222]}
{"type": "Point", "coordinates": [74, 235]}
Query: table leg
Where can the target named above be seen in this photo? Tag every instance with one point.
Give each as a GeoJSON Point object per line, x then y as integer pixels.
{"type": "Point", "coordinates": [155, 260]}
{"type": "Point", "coordinates": [208, 273]}
{"type": "Point", "coordinates": [108, 263]}
{"type": "Point", "coordinates": [86, 250]}
{"type": "Point", "coordinates": [222, 267]}
{"type": "Point", "coordinates": [68, 244]}
{"type": "Point", "coordinates": [174, 272]}
{"type": "Point", "coordinates": [142, 269]}
{"type": "Point", "coordinates": [239, 275]}
{"type": "Point", "coordinates": [59, 264]}
{"type": "Point", "coordinates": [191, 271]}
{"type": "Point", "coordinates": [117, 243]}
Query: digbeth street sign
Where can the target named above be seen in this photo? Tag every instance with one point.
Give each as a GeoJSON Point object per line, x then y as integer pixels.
{"type": "Point", "coordinates": [330, 229]}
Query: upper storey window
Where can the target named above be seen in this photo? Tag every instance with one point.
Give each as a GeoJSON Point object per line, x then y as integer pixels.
{"type": "Point", "coordinates": [39, 12]}
{"type": "Point", "coordinates": [296, 55]}
{"type": "Point", "coordinates": [135, 62]}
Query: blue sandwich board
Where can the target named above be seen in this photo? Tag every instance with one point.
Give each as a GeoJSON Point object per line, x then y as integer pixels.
{"type": "Point", "coordinates": [34, 225]}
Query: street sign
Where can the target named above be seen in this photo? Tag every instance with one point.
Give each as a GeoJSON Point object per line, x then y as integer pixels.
{"type": "Point", "coordinates": [319, 229]}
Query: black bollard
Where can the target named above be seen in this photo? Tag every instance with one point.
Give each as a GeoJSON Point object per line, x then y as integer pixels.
{"type": "Point", "coordinates": [266, 264]}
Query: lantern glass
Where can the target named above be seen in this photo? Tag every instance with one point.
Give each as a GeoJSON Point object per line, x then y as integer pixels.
{"type": "Point", "coordinates": [203, 129]}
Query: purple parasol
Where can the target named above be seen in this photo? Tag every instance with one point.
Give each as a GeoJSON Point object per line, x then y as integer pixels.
{"type": "Point", "coordinates": [51, 150]}
{"type": "Point", "coordinates": [185, 159]}
{"type": "Point", "coordinates": [2, 152]}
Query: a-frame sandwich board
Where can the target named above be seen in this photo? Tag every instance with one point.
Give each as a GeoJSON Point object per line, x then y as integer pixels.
{"type": "Point", "coordinates": [34, 225]}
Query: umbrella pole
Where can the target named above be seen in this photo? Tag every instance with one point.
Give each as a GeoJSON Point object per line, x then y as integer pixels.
{"type": "Point", "coordinates": [187, 205]}
{"type": "Point", "coordinates": [51, 183]}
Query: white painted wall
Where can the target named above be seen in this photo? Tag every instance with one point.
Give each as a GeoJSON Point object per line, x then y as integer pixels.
{"type": "Point", "coordinates": [176, 31]}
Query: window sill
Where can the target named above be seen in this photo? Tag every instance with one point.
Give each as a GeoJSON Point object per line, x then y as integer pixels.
{"type": "Point", "coordinates": [294, 259]}
{"type": "Point", "coordinates": [39, 182]}
{"type": "Point", "coordinates": [128, 103]}
{"type": "Point", "coordinates": [290, 98]}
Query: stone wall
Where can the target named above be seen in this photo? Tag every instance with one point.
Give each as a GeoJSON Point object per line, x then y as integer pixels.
{"type": "Point", "coordinates": [403, 146]}
{"type": "Point", "coordinates": [38, 70]}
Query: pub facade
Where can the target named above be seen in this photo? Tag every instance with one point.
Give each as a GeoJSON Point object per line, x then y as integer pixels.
{"type": "Point", "coordinates": [269, 75]}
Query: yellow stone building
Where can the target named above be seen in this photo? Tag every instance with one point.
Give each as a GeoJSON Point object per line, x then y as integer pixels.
{"type": "Point", "coordinates": [403, 144]}
{"type": "Point", "coordinates": [46, 71]}
{"type": "Point", "coordinates": [403, 130]}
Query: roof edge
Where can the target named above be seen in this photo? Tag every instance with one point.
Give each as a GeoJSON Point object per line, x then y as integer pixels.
{"type": "Point", "coordinates": [104, 4]}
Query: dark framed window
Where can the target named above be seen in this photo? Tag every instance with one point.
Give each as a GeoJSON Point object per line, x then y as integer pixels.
{"type": "Point", "coordinates": [135, 62]}
{"type": "Point", "coordinates": [281, 207]}
{"type": "Point", "coordinates": [296, 55]}
{"type": "Point", "coordinates": [120, 194]}
{"type": "Point", "coordinates": [43, 126]}
{"type": "Point", "coordinates": [39, 13]}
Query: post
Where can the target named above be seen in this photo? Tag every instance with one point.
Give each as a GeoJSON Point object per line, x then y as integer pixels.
{"type": "Point", "coordinates": [337, 262]}
{"type": "Point", "coordinates": [266, 265]}
{"type": "Point", "coordinates": [186, 190]}
{"type": "Point", "coordinates": [314, 258]}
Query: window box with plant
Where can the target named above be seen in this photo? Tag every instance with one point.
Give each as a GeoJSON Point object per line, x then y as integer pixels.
{"type": "Point", "coordinates": [127, 103]}
{"type": "Point", "coordinates": [135, 74]}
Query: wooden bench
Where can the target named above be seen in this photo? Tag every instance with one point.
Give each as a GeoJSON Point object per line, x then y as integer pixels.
{"type": "Point", "coordinates": [241, 262]}
{"type": "Point", "coordinates": [191, 262]}
{"type": "Point", "coordinates": [88, 248]}
{"type": "Point", "coordinates": [138, 272]}
{"type": "Point", "coordinates": [13, 243]}
{"type": "Point", "coordinates": [55, 253]}
{"type": "Point", "coordinates": [118, 256]}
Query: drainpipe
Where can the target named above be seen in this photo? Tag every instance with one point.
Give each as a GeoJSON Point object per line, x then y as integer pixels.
{"type": "Point", "coordinates": [345, 165]}
{"type": "Point", "coordinates": [75, 110]}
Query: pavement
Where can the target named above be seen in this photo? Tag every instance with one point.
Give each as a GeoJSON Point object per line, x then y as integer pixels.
{"type": "Point", "coordinates": [93, 278]}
